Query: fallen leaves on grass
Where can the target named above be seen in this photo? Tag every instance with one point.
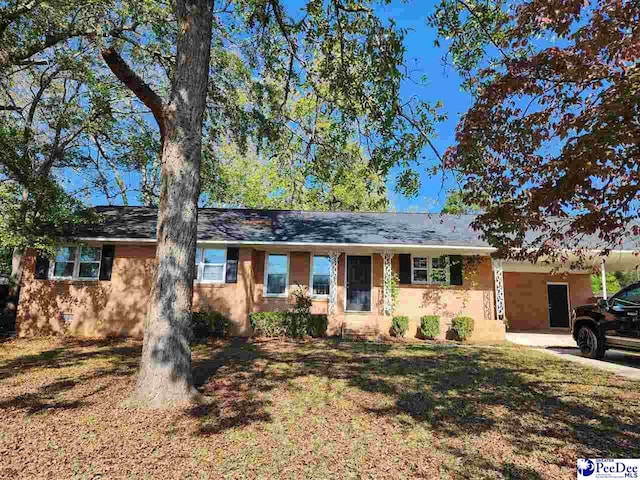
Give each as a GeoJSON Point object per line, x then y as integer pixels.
{"type": "Point", "coordinates": [313, 409]}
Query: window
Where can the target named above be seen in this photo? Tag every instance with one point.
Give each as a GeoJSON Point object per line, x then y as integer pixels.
{"type": "Point", "coordinates": [628, 298]}
{"type": "Point", "coordinates": [89, 262]}
{"type": "Point", "coordinates": [439, 270]}
{"type": "Point", "coordinates": [420, 270]}
{"type": "Point", "coordinates": [430, 270]}
{"type": "Point", "coordinates": [210, 265]}
{"type": "Point", "coordinates": [81, 263]}
{"type": "Point", "coordinates": [64, 265]}
{"type": "Point", "coordinates": [276, 274]}
{"type": "Point", "coordinates": [320, 275]}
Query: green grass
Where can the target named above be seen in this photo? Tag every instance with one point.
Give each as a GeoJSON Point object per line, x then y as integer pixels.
{"type": "Point", "coordinates": [317, 409]}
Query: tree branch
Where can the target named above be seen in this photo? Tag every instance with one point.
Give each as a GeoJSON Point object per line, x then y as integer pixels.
{"type": "Point", "coordinates": [133, 82]}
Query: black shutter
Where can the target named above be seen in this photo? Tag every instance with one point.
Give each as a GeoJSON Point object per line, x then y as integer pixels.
{"type": "Point", "coordinates": [42, 267]}
{"type": "Point", "coordinates": [106, 265]}
{"type": "Point", "coordinates": [232, 265]}
{"type": "Point", "coordinates": [455, 270]}
{"type": "Point", "coordinates": [405, 268]}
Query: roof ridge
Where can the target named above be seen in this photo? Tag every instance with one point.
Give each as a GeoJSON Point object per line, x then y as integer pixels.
{"type": "Point", "coordinates": [244, 209]}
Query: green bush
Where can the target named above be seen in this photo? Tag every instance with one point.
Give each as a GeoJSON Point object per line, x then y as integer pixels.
{"type": "Point", "coordinates": [269, 324]}
{"type": "Point", "coordinates": [299, 318]}
{"type": "Point", "coordinates": [463, 326]}
{"type": "Point", "coordinates": [399, 326]}
{"type": "Point", "coordinates": [295, 323]}
{"type": "Point", "coordinates": [209, 324]}
{"type": "Point", "coordinates": [317, 326]}
{"type": "Point", "coordinates": [429, 326]}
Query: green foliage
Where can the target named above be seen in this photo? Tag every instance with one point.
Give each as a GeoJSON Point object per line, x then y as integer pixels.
{"type": "Point", "coordinates": [399, 326]}
{"type": "Point", "coordinates": [318, 324]}
{"type": "Point", "coordinates": [269, 324]}
{"type": "Point", "coordinates": [394, 285]}
{"type": "Point", "coordinates": [5, 261]}
{"type": "Point", "coordinates": [209, 324]}
{"type": "Point", "coordinates": [615, 281]}
{"type": "Point", "coordinates": [299, 316]}
{"type": "Point", "coordinates": [463, 326]}
{"type": "Point", "coordinates": [295, 323]}
{"type": "Point", "coordinates": [455, 204]}
{"type": "Point", "coordinates": [38, 219]}
{"type": "Point", "coordinates": [429, 326]}
{"type": "Point", "coordinates": [230, 178]}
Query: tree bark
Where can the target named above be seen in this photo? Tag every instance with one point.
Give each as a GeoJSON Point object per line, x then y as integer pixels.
{"type": "Point", "coordinates": [165, 376]}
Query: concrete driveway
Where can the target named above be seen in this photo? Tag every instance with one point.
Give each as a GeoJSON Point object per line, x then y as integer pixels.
{"type": "Point", "coordinates": [541, 339]}
{"type": "Point", "coordinates": [562, 345]}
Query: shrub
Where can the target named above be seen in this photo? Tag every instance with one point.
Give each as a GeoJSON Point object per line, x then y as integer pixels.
{"type": "Point", "coordinates": [268, 324]}
{"type": "Point", "coordinates": [299, 317]}
{"type": "Point", "coordinates": [463, 326]}
{"type": "Point", "coordinates": [295, 323]}
{"type": "Point", "coordinates": [317, 325]}
{"type": "Point", "coordinates": [429, 326]}
{"type": "Point", "coordinates": [209, 324]}
{"type": "Point", "coordinates": [399, 326]}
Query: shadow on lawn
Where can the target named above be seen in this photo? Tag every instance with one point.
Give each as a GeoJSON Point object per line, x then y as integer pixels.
{"type": "Point", "coordinates": [122, 361]}
{"type": "Point", "coordinates": [537, 405]}
{"type": "Point", "coordinates": [455, 391]}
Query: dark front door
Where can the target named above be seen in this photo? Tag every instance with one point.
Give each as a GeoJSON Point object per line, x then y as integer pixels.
{"type": "Point", "coordinates": [359, 283]}
{"type": "Point", "coordinates": [558, 305]}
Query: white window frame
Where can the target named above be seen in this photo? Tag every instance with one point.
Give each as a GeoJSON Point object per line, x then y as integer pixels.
{"type": "Point", "coordinates": [266, 273]}
{"type": "Point", "coordinates": [318, 296]}
{"type": "Point", "coordinates": [429, 270]}
{"type": "Point", "coordinates": [76, 264]}
{"type": "Point", "coordinates": [200, 266]}
{"type": "Point", "coordinates": [420, 282]}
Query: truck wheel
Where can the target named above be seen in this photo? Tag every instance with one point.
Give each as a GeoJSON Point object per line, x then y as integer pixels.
{"type": "Point", "coordinates": [590, 344]}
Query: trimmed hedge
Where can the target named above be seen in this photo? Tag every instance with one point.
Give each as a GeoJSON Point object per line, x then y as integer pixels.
{"type": "Point", "coordinates": [429, 326]}
{"type": "Point", "coordinates": [399, 326]}
{"type": "Point", "coordinates": [268, 324]}
{"type": "Point", "coordinates": [463, 326]}
{"type": "Point", "coordinates": [209, 324]}
{"type": "Point", "coordinates": [287, 324]}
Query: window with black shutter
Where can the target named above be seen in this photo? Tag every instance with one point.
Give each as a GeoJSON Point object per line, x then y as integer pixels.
{"type": "Point", "coordinates": [233, 254]}
{"type": "Point", "coordinates": [106, 266]}
{"type": "Point", "coordinates": [456, 270]}
{"type": "Point", "coordinates": [42, 267]}
{"type": "Point", "coordinates": [405, 268]}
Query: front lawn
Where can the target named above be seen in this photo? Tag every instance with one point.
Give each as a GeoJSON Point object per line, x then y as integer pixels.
{"type": "Point", "coordinates": [312, 410]}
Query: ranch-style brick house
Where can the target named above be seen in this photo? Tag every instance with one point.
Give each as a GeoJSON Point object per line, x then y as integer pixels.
{"type": "Point", "coordinates": [252, 260]}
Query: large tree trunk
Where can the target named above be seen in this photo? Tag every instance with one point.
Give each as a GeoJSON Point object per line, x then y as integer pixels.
{"type": "Point", "coordinates": [165, 371]}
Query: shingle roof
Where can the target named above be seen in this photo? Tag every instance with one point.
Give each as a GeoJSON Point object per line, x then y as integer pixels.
{"type": "Point", "coordinates": [249, 225]}
{"type": "Point", "coordinates": [285, 226]}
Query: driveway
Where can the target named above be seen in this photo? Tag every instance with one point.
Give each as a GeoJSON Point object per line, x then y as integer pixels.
{"type": "Point", "coordinates": [562, 345]}
{"type": "Point", "coordinates": [541, 339]}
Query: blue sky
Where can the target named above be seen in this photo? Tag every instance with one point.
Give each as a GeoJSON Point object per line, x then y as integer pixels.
{"type": "Point", "coordinates": [442, 84]}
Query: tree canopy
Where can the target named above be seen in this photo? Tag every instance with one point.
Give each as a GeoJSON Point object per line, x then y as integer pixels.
{"type": "Point", "coordinates": [551, 142]}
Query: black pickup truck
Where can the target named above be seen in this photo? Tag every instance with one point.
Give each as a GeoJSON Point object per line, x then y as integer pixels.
{"type": "Point", "coordinates": [611, 323]}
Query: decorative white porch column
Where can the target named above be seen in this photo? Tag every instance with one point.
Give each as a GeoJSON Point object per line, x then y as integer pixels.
{"type": "Point", "coordinates": [388, 277]}
{"type": "Point", "coordinates": [498, 279]}
{"type": "Point", "coordinates": [333, 281]}
{"type": "Point", "coordinates": [603, 277]}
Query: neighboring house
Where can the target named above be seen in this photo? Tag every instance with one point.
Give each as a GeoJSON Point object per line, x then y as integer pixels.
{"type": "Point", "coordinates": [252, 260]}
